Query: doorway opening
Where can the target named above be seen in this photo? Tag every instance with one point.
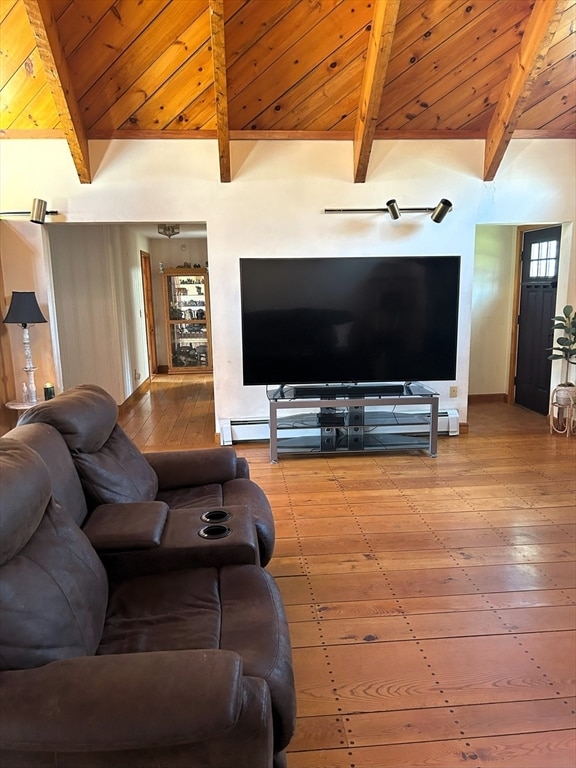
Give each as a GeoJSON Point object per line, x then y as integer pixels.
{"type": "Point", "coordinates": [149, 312]}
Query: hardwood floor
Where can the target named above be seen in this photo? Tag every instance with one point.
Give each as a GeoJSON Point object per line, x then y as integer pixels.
{"type": "Point", "coordinates": [431, 601]}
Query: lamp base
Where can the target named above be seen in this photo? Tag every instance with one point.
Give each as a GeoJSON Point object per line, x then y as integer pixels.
{"type": "Point", "coordinates": [32, 396]}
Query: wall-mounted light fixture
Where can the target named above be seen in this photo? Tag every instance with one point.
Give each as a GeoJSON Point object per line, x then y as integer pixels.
{"type": "Point", "coordinates": [169, 230]}
{"type": "Point", "coordinates": [393, 209]}
{"type": "Point", "coordinates": [437, 214]}
{"type": "Point", "coordinates": [443, 207]}
{"type": "Point", "coordinates": [37, 214]}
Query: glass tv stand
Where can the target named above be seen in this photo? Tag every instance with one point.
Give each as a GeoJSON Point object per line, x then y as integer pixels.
{"type": "Point", "coordinates": [326, 420]}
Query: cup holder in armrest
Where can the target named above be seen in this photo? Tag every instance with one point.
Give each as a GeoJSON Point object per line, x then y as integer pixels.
{"type": "Point", "coordinates": [216, 516]}
{"type": "Point", "coordinates": [213, 531]}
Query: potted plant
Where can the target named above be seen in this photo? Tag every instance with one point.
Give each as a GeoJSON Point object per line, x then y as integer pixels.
{"type": "Point", "coordinates": [565, 350]}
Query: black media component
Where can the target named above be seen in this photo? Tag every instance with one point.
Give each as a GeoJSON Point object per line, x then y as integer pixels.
{"type": "Point", "coordinates": [344, 390]}
{"type": "Point", "coordinates": [356, 438]}
{"type": "Point", "coordinates": [355, 415]}
{"type": "Point", "coordinates": [352, 319]}
{"type": "Point", "coordinates": [331, 417]}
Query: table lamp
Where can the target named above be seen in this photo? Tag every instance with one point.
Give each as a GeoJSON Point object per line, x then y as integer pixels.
{"type": "Point", "coordinates": [24, 311]}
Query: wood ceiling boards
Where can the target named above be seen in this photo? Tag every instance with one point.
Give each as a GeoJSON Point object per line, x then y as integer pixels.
{"type": "Point", "coordinates": [357, 70]}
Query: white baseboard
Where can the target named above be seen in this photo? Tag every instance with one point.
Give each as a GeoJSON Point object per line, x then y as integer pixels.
{"type": "Point", "coordinates": [243, 431]}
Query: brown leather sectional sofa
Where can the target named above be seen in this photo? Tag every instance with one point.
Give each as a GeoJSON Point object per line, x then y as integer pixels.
{"type": "Point", "coordinates": [129, 636]}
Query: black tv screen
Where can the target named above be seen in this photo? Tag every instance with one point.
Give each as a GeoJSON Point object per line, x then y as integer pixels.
{"type": "Point", "coordinates": [350, 319]}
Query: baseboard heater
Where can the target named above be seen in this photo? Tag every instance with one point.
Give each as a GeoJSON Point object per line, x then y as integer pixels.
{"type": "Point", "coordinates": [246, 430]}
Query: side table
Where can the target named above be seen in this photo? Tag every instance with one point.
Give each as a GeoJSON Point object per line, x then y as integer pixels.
{"type": "Point", "coordinates": [563, 411]}
{"type": "Point", "coordinates": [17, 405]}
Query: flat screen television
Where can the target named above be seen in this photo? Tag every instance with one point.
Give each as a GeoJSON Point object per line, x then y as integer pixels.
{"type": "Point", "coordinates": [349, 319]}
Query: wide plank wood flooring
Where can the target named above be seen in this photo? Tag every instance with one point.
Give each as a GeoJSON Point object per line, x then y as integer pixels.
{"type": "Point", "coordinates": [432, 602]}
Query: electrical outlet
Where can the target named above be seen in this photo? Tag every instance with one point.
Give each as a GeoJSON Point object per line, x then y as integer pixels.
{"type": "Point", "coordinates": [454, 391]}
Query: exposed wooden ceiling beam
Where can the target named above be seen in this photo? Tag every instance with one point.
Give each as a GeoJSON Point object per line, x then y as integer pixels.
{"type": "Point", "coordinates": [57, 74]}
{"type": "Point", "coordinates": [526, 66]}
{"type": "Point", "coordinates": [220, 86]}
{"type": "Point", "coordinates": [377, 58]}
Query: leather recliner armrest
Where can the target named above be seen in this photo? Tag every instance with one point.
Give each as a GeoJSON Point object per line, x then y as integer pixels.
{"type": "Point", "coordinates": [127, 526]}
{"type": "Point", "coordinates": [242, 467]}
{"type": "Point", "coordinates": [141, 700]}
{"type": "Point", "coordinates": [196, 466]}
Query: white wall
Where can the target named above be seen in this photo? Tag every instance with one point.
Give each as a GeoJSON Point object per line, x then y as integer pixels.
{"type": "Point", "coordinates": [86, 307]}
{"type": "Point", "coordinates": [492, 304]}
{"type": "Point", "coordinates": [274, 207]}
{"type": "Point", "coordinates": [127, 245]}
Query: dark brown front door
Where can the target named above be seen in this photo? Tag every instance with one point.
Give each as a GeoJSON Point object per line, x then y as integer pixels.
{"type": "Point", "coordinates": [540, 251]}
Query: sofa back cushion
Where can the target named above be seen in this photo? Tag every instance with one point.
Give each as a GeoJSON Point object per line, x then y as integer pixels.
{"type": "Point", "coordinates": [50, 446]}
{"type": "Point", "coordinates": [111, 468]}
{"type": "Point", "coordinates": [22, 503]}
{"type": "Point", "coordinates": [117, 473]}
{"type": "Point", "coordinates": [53, 587]}
{"type": "Point", "coordinates": [84, 415]}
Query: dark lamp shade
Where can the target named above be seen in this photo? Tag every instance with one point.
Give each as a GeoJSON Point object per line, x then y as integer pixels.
{"type": "Point", "coordinates": [24, 309]}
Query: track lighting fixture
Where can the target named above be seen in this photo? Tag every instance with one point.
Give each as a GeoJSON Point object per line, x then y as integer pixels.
{"type": "Point", "coordinates": [393, 209]}
{"type": "Point", "coordinates": [37, 214]}
{"type": "Point", "coordinates": [443, 207]}
{"type": "Point", "coordinates": [437, 214]}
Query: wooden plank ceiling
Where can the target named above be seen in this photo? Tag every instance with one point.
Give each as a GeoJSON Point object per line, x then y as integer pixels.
{"type": "Point", "coordinates": [288, 69]}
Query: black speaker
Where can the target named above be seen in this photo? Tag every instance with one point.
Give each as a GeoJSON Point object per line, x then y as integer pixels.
{"type": "Point", "coordinates": [328, 438]}
{"type": "Point", "coordinates": [356, 414]}
{"type": "Point", "coordinates": [355, 438]}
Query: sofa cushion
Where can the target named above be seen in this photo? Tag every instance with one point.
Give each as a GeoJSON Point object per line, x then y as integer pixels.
{"type": "Point", "coordinates": [195, 497]}
{"type": "Point", "coordinates": [110, 466]}
{"type": "Point", "coordinates": [51, 447]}
{"type": "Point", "coordinates": [53, 587]}
{"type": "Point", "coordinates": [116, 473]}
{"type": "Point", "coordinates": [84, 415]}
{"type": "Point", "coordinates": [236, 608]}
{"type": "Point", "coordinates": [52, 596]}
{"type": "Point", "coordinates": [164, 612]}
{"type": "Point", "coordinates": [16, 528]}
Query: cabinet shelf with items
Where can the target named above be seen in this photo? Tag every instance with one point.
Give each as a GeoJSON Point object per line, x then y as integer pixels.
{"type": "Point", "coordinates": [187, 314]}
{"type": "Point", "coordinates": [328, 425]}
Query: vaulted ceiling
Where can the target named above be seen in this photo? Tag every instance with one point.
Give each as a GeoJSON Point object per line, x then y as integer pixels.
{"type": "Point", "coordinates": [288, 69]}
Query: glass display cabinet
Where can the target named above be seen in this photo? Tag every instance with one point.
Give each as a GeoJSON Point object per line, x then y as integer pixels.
{"type": "Point", "coordinates": [187, 304]}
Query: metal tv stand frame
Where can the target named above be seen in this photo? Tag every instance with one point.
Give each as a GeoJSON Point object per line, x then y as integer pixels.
{"type": "Point", "coordinates": [326, 419]}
